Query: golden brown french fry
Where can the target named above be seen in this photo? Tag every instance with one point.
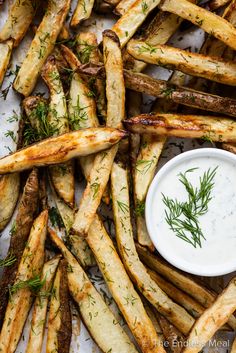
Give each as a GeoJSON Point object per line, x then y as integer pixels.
{"type": "Point", "coordinates": [217, 70]}
{"type": "Point", "coordinates": [153, 317]}
{"type": "Point", "coordinates": [21, 298]}
{"type": "Point", "coordinates": [59, 319]}
{"type": "Point", "coordinates": [64, 34]}
{"type": "Point", "coordinates": [62, 148]}
{"type": "Point", "coordinates": [38, 321]}
{"type": "Point", "coordinates": [121, 209]}
{"type": "Point", "coordinates": [208, 21]}
{"type": "Point", "coordinates": [82, 12]}
{"type": "Point", "coordinates": [20, 15]}
{"type": "Point", "coordinates": [41, 46]}
{"type": "Point", "coordinates": [212, 319]}
{"type": "Point", "coordinates": [20, 233]}
{"type": "Point", "coordinates": [181, 280]}
{"type": "Point", "coordinates": [134, 102]}
{"type": "Point", "coordinates": [122, 288]}
{"type": "Point", "coordinates": [219, 129]}
{"type": "Point", "coordinates": [233, 348]}
{"type": "Point", "coordinates": [5, 56]}
{"type": "Point", "coordinates": [216, 4]}
{"type": "Point", "coordinates": [97, 316]}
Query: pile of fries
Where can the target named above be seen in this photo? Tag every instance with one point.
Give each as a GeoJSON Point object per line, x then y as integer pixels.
{"type": "Point", "coordinates": [92, 125]}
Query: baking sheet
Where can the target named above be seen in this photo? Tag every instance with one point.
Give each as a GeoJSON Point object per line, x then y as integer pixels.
{"type": "Point", "coordinates": [10, 110]}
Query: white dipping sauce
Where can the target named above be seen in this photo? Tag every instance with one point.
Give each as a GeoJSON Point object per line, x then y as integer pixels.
{"type": "Point", "coordinates": [218, 252]}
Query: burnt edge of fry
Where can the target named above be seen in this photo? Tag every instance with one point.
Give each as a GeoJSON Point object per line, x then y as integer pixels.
{"type": "Point", "coordinates": [112, 35]}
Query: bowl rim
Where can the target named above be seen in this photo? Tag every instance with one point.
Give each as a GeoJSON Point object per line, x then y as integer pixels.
{"type": "Point", "coordinates": [199, 152]}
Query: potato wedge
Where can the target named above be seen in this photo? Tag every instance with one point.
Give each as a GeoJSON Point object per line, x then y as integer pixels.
{"type": "Point", "coordinates": [208, 21]}
{"type": "Point", "coordinates": [5, 56]}
{"type": "Point", "coordinates": [187, 284]}
{"type": "Point", "coordinates": [59, 319]}
{"type": "Point", "coordinates": [121, 209]}
{"type": "Point", "coordinates": [219, 129]}
{"type": "Point", "coordinates": [20, 302]}
{"type": "Point", "coordinates": [9, 194]}
{"type": "Point", "coordinates": [41, 46]}
{"type": "Point", "coordinates": [20, 16]}
{"type": "Point", "coordinates": [215, 69]}
{"type": "Point", "coordinates": [172, 335]}
{"type": "Point", "coordinates": [20, 233]}
{"type": "Point", "coordinates": [97, 316]}
{"type": "Point", "coordinates": [212, 319]}
{"type": "Point", "coordinates": [60, 149]}
{"type": "Point", "coordinates": [82, 12]}
{"type": "Point", "coordinates": [38, 321]}
{"type": "Point", "coordinates": [122, 289]}
{"type": "Point", "coordinates": [216, 4]}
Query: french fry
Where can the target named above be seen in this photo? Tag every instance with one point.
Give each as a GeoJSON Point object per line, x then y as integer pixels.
{"type": "Point", "coordinates": [212, 319]}
{"type": "Point", "coordinates": [20, 231]}
{"type": "Point", "coordinates": [219, 129]}
{"type": "Point", "coordinates": [20, 16]}
{"type": "Point", "coordinates": [41, 46]}
{"type": "Point", "coordinates": [187, 284]}
{"type": "Point", "coordinates": [82, 12]}
{"type": "Point", "coordinates": [122, 288]}
{"type": "Point", "coordinates": [233, 348]}
{"type": "Point", "coordinates": [208, 21]}
{"type": "Point", "coordinates": [5, 56]}
{"type": "Point", "coordinates": [59, 319]}
{"type": "Point", "coordinates": [216, 4]}
{"type": "Point", "coordinates": [60, 149]}
{"type": "Point", "coordinates": [153, 317]}
{"type": "Point", "coordinates": [62, 176]}
{"type": "Point", "coordinates": [38, 321]}
{"type": "Point", "coordinates": [21, 299]}
{"type": "Point", "coordinates": [121, 209]}
{"type": "Point", "coordinates": [171, 334]}
{"type": "Point", "coordinates": [97, 316]}
{"type": "Point", "coordinates": [134, 101]}
{"type": "Point", "coordinates": [100, 173]}
{"type": "Point", "coordinates": [215, 69]}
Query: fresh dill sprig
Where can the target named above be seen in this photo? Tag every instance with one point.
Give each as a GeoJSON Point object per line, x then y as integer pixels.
{"type": "Point", "coordinates": [78, 117]}
{"type": "Point", "coordinates": [183, 217]}
{"type": "Point", "coordinates": [8, 261]}
{"type": "Point", "coordinates": [55, 218]}
{"type": "Point", "coordinates": [34, 284]}
{"type": "Point", "coordinates": [85, 51]}
{"type": "Point", "coordinates": [140, 208]}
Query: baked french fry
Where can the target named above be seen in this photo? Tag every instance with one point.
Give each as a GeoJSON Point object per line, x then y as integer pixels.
{"type": "Point", "coordinates": [171, 334]}
{"type": "Point", "coordinates": [233, 348]}
{"type": "Point", "coordinates": [97, 316]}
{"type": "Point", "coordinates": [41, 46]}
{"type": "Point", "coordinates": [215, 69]}
{"type": "Point", "coordinates": [216, 4]}
{"type": "Point", "coordinates": [38, 321]}
{"type": "Point", "coordinates": [219, 129]}
{"type": "Point", "coordinates": [21, 295]}
{"type": "Point", "coordinates": [82, 12]}
{"type": "Point", "coordinates": [5, 56]}
{"type": "Point", "coordinates": [60, 149]}
{"type": "Point", "coordinates": [59, 318]}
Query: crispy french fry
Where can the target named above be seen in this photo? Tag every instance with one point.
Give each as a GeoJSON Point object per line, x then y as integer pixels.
{"type": "Point", "coordinates": [60, 149]}
{"type": "Point", "coordinates": [5, 56]}
{"type": "Point", "coordinates": [122, 288]}
{"type": "Point", "coordinates": [20, 231]}
{"type": "Point", "coordinates": [38, 321]}
{"type": "Point", "coordinates": [215, 69]}
{"type": "Point", "coordinates": [233, 348]}
{"type": "Point", "coordinates": [41, 46]}
{"type": "Point", "coordinates": [62, 176]}
{"type": "Point", "coordinates": [212, 319]}
{"type": "Point", "coordinates": [21, 14]}
{"type": "Point", "coordinates": [64, 34]}
{"type": "Point", "coordinates": [121, 209]}
{"type": "Point", "coordinates": [219, 129]}
{"type": "Point", "coordinates": [208, 21]}
{"type": "Point", "coordinates": [82, 12]}
{"type": "Point", "coordinates": [180, 280]}
{"type": "Point", "coordinates": [134, 101]}
{"type": "Point", "coordinates": [153, 317]}
{"type": "Point", "coordinates": [20, 302]}
{"type": "Point", "coordinates": [216, 4]}
{"type": "Point", "coordinates": [171, 334]}
{"type": "Point", "coordinates": [59, 320]}
{"type": "Point", "coordinates": [97, 316]}
{"type": "Point", "coordinates": [100, 173]}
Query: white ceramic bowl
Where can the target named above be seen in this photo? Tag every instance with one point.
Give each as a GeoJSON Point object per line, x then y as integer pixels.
{"type": "Point", "coordinates": [217, 255]}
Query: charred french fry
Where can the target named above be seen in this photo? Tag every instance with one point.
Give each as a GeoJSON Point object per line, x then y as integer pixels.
{"type": "Point", "coordinates": [5, 56]}
{"type": "Point", "coordinates": [38, 321]}
{"type": "Point", "coordinates": [215, 69]}
{"type": "Point", "coordinates": [122, 288]}
{"type": "Point", "coordinates": [212, 319]}
{"type": "Point", "coordinates": [97, 316]}
{"type": "Point", "coordinates": [41, 46]}
{"type": "Point", "coordinates": [187, 284]}
{"type": "Point", "coordinates": [82, 12]}
{"type": "Point", "coordinates": [20, 232]}
{"type": "Point", "coordinates": [121, 209]}
{"type": "Point", "coordinates": [60, 149]}
{"type": "Point", "coordinates": [26, 281]}
{"type": "Point", "coordinates": [219, 129]}
{"type": "Point", "coordinates": [59, 320]}
{"type": "Point", "coordinates": [208, 21]}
